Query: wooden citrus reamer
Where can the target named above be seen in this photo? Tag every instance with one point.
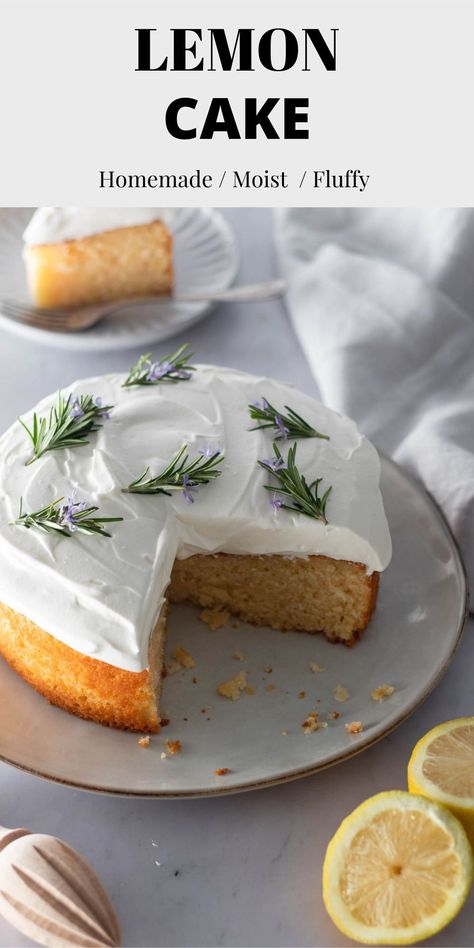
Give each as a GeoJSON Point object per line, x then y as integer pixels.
{"type": "Point", "coordinates": [50, 894]}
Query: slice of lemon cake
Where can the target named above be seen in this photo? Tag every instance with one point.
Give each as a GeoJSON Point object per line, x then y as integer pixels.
{"type": "Point", "coordinates": [177, 484]}
{"type": "Point", "coordinates": [80, 255]}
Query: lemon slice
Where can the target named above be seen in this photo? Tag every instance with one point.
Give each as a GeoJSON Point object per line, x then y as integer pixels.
{"type": "Point", "coordinates": [441, 767]}
{"type": "Point", "coordinates": [397, 870]}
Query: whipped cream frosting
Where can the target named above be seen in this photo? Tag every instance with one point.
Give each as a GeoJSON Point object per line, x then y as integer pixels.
{"type": "Point", "coordinates": [51, 225]}
{"type": "Point", "coordinates": [102, 596]}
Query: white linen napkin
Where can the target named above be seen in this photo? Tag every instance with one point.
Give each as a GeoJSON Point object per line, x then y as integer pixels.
{"type": "Point", "coordinates": [382, 301]}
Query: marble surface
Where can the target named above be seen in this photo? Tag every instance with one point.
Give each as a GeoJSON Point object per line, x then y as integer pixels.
{"type": "Point", "coordinates": [240, 870]}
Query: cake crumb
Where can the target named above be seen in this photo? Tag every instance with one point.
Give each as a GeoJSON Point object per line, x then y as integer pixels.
{"type": "Point", "coordinates": [333, 715]}
{"type": "Point", "coordinates": [144, 741]}
{"type": "Point", "coordinates": [311, 723]}
{"type": "Point", "coordinates": [183, 657]}
{"type": "Point", "coordinates": [172, 667]}
{"type": "Point", "coordinates": [340, 693]}
{"type": "Point", "coordinates": [163, 756]}
{"type": "Point", "coordinates": [268, 669]}
{"type": "Point", "coordinates": [173, 747]}
{"type": "Point", "coordinates": [302, 694]}
{"type": "Point", "coordinates": [284, 733]}
{"type": "Point", "coordinates": [355, 727]}
{"type": "Point", "coordinates": [315, 668]}
{"type": "Point", "coordinates": [239, 656]}
{"type": "Point", "coordinates": [249, 690]}
{"type": "Point", "coordinates": [382, 692]}
{"type": "Point", "coordinates": [222, 771]}
{"type": "Point", "coordinates": [215, 618]}
{"type": "Point", "coordinates": [270, 688]}
{"type": "Point", "coordinates": [233, 688]}
{"type": "Point", "coordinates": [164, 722]}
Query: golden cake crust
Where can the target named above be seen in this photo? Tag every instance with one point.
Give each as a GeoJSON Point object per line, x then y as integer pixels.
{"type": "Point", "coordinates": [77, 683]}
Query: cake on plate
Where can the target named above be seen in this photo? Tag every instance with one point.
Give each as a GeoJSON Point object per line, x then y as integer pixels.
{"type": "Point", "coordinates": [177, 484]}
{"type": "Point", "coordinates": [80, 255]}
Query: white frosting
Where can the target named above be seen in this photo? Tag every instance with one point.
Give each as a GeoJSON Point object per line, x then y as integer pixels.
{"type": "Point", "coordinates": [101, 596]}
{"type": "Point", "coordinates": [51, 225]}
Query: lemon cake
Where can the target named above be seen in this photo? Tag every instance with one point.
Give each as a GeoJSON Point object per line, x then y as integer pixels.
{"type": "Point", "coordinates": [208, 491]}
{"type": "Point", "coordinates": [79, 255]}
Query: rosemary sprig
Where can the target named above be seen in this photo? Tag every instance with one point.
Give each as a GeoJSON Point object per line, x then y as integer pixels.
{"type": "Point", "coordinates": [67, 425]}
{"type": "Point", "coordinates": [180, 475]}
{"type": "Point", "coordinates": [304, 497]}
{"type": "Point", "coordinates": [291, 425]}
{"type": "Point", "coordinates": [66, 518]}
{"type": "Point", "coordinates": [171, 368]}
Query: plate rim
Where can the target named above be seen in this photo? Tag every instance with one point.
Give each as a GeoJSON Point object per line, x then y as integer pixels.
{"type": "Point", "coordinates": [311, 769]}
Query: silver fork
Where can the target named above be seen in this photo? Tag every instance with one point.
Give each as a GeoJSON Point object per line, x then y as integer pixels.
{"type": "Point", "coordinates": [83, 317]}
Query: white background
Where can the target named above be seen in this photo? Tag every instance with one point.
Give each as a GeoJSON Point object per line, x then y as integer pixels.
{"type": "Point", "coordinates": [399, 105]}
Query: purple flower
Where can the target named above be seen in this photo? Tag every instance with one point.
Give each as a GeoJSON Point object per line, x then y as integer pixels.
{"type": "Point", "coordinates": [69, 510]}
{"type": "Point", "coordinates": [98, 404]}
{"type": "Point", "coordinates": [276, 464]}
{"type": "Point", "coordinates": [210, 451]}
{"type": "Point", "coordinates": [76, 410]}
{"type": "Point", "coordinates": [281, 427]}
{"type": "Point", "coordinates": [189, 489]}
{"type": "Point", "coordinates": [158, 370]}
{"type": "Point", "coordinates": [262, 405]}
{"type": "Point", "coordinates": [276, 502]}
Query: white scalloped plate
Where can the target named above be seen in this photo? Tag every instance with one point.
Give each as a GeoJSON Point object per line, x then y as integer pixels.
{"type": "Point", "coordinates": [409, 643]}
{"type": "Point", "coordinates": [205, 259]}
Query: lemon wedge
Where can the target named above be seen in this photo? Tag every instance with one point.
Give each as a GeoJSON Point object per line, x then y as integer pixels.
{"type": "Point", "coordinates": [397, 870]}
{"type": "Point", "coordinates": [441, 767]}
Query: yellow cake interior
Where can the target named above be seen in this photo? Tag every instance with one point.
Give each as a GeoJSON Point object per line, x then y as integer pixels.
{"type": "Point", "coordinates": [312, 594]}
{"type": "Point", "coordinates": [115, 264]}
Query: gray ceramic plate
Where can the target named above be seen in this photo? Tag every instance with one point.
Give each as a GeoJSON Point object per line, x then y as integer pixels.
{"type": "Point", "coordinates": [409, 643]}
{"type": "Point", "coordinates": [205, 258]}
